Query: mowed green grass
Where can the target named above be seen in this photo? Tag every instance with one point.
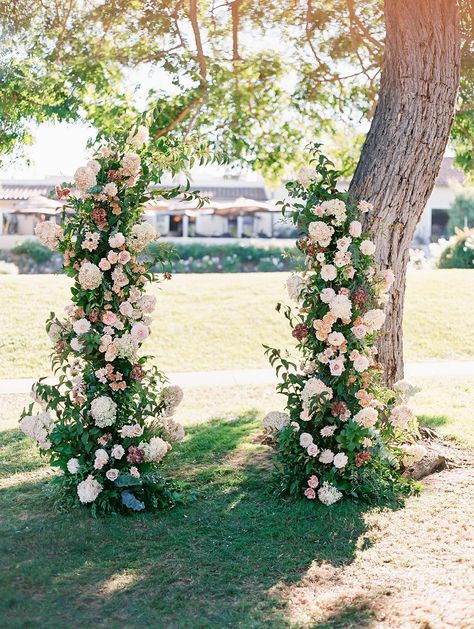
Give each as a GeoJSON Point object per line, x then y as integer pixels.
{"type": "Point", "coordinates": [236, 556]}
{"type": "Point", "coordinates": [207, 322]}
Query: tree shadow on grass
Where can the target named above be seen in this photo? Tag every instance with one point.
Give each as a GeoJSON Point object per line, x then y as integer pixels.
{"type": "Point", "coordinates": [209, 563]}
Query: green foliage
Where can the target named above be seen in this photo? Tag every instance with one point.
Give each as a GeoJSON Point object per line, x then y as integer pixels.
{"type": "Point", "coordinates": [108, 397]}
{"type": "Point", "coordinates": [233, 258]}
{"type": "Point", "coordinates": [314, 72]}
{"type": "Point", "coordinates": [35, 250]}
{"type": "Point", "coordinates": [459, 254]}
{"type": "Point", "coordinates": [462, 210]}
{"type": "Point", "coordinates": [340, 416]}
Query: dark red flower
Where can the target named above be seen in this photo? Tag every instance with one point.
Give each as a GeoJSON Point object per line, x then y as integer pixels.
{"type": "Point", "coordinates": [137, 373]}
{"type": "Point", "coordinates": [167, 275]}
{"type": "Point", "coordinates": [300, 331]}
{"type": "Point", "coordinates": [99, 216]}
{"type": "Point", "coordinates": [359, 296]}
{"type": "Point", "coordinates": [135, 455]}
{"type": "Point", "coordinates": [339, 408]}
{"type": "Point", "coordinates": [361, 458]}
{"type": "Point", "coordinates": [62, 193]}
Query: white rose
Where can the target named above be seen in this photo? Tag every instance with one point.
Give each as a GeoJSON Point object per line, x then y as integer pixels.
{"type": "Point", "coordinates": [355, 229]}
{"type": "Point", "coordinates": [305, 439]}
{"type": "Point", "coordinates": [81, 326]}
{"type": "Point", "coordinates": [340, 460]}
{"type": "Point", "coordinates": [328, 272]}
{"type": "Point", "coordinates": [367, 247]}
{"type": "Point", "coordinates": [73, 466]}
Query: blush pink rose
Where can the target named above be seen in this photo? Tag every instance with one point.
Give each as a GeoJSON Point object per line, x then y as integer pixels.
{"type": "Point", "coordinates": [112, 474]}
{"type": "Point", "coordinates": [313, 481]}
{"type": "Point", "coordinates": [359, 331]}
{"type": "Point", "coordinates": [104, 264]}
{"type": "Point", "coordinates": [124, 257]}
{"type": "Point", "coordinates": [336, 367]}
{"type": "Point", "coordinates": [109, 318]}
{"type": "Point", "coordinates": [140, 331]}
{"type": "Point", "coordinates": [112, 257]}
{"type": "Point", "coordinates": [126, 309]}
{"type": "Point", "coordinates": [310, 493]}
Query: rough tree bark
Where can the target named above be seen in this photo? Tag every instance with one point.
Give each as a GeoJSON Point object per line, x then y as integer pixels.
{"type": "Point", "coordinates": [403, 150]}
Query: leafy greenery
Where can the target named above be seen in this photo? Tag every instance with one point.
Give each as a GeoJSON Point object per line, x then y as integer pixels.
{"type": "Point", "coordinates": [209, 564]}
{"type": "Point", "coordinates": [462, 211]}
{"type": "Point", "coordinates": [35, 250]}
{"type": "Point", "coordinates": [340, 432]}
{"type": "Point", "coordinates": [459, 254]}
{"type": "Point", "coordinates": [198, 258]}
{"type": "Point", "coordinates": [257, 79]}
{"type": "Point", "coordinates": [108, 422]}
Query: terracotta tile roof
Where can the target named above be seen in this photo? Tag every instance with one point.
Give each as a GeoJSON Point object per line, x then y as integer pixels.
{"type": "Point", "coordinates": [22, 193]}
{"type": "Point", "coordinates": [230, 193]}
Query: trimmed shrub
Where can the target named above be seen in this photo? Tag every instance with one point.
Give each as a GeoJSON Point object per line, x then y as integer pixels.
{"type": "Point", "coordinates": [459, 254]}
{"type": "Point", "coordinates": [37, 252]}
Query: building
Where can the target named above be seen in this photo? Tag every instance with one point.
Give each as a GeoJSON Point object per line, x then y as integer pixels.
{"type": "Point", "coordinates": [434, 221]}
{"type": "Point", "coordinates": [234, 208]}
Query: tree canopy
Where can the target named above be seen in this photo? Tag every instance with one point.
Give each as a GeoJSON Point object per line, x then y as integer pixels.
{"type": "Point", "coordinates": [257, 79]}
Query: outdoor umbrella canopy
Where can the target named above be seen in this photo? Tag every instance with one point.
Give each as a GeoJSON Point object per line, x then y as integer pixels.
{"type": "Point", "coordinates": [38, 205]}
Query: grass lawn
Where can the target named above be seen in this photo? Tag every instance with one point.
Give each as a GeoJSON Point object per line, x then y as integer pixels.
{"type": "Point", "coordinates": [206, 322]}
{"type": "Point", "coordinates": [235, 557]}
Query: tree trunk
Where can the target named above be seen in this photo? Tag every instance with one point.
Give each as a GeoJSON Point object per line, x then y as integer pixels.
{"type": "Point", "coordinates": [403, 150]}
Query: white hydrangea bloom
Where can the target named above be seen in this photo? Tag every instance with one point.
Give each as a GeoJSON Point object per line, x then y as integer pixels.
{"type": "Point", "coordinates": [104, 411]}
{"type": "Point", "coordinates": [276, 420]}
{"type": "Point", "coordinates": [155, 450]}
{"type": "Point", "coordinates": [84, 178]}
{"type": "Point", "coordinates": [314, 387]}
{"type": "Point", "coordinates": [366, 417]}
{"type": "Point", "coordinates": [328, 494]}
{"type": "Point", "coordinates": [295, 285]}
{"type": "Point", "coordinates": [306, 175]}
{"type": "Point", "coordinates": [49, 234]}
{"type": "Point", "coordinates": [38, 427]}
{"type": "Point", "coordinates": [88, 489]}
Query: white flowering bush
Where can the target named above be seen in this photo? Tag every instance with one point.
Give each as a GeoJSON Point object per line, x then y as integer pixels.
{"type": "Point", "coordinates": [108, 424]}
{"type": "Point", "coordinates": [344, 433]}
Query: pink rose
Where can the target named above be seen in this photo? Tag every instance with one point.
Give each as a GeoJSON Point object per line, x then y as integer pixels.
{"type": "Point", "coordinates": [354, 355]}
{"type": "Point", "coordinates": [134, 471]}
{"type": "Point", "coordinates": [124, 257]}
{"type": "Point", "coordinates": [112, 257]}
{"type": "Point", "coordinates": [112, 474]}
{"type": "Point", "coordinates": [137, 430]}
{"type": "Point", "coordinates": [139, 331]}
{"type": "Point", "coordinates": [312, 450]}
{"type": "Point", "coordinates": [359, 331]}
{"type": "Point", "coordinates": [310, 493]}
{"type": "Point", "coordinates": [109, 318]}
{"type": "Point", "coordinates": [104, 264]}
{"type": "Point", "coordinates": [313, 481]}
{"type": "Point", "coordinates": [126, 309]}
{"type": "Point", "coordinates": [336, 366]}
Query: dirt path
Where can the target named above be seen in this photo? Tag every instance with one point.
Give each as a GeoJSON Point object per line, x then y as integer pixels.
{"type": "Point", "coordinates": [415, 567]}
